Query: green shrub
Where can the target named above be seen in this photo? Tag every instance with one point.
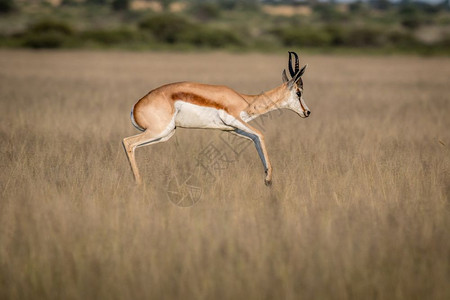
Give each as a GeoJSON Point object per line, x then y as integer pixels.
{"type": "Point", "coordinates": [331, 35]}
{"type": "Point", "coordinates": [327, 12]}
{"type": "Point", "coordinates": [7, 6]}
{"type": "Point", "coordinates": [211, 37]}
{"type": "Point", "coordinates": [306, 36]}
{"type": "Point", "coordinates": [205, 11]}
{"type": "Point", "coordinates": [172, 29]}
{"type": "Point", "coordinates": [357, 7]}
{"type": "Point", "coordinates": [445, 42]}
{"type": "Point", "coordinates": [70, 3]}
{"type": "Point", "coordinates": [400, 38]}
{"type": "Point", "coordinates": [44, 40]}
{"type": "Point", "coordinates": [167, 28]}
{"type": "Point", "coordinates": [252, 5]}
{"type": "Point", "coordinates": [381, 4]}
{"type": "Point", "coordinates": [97, 2]}
{"type": "Point", "coordinates": [166, 4]}
{"type": "Point", "coordinates": [411, 22]}
{"type": "Point", "coordinates": [338, 34]}
{"type": "Point", "coordinates": [119, 5]}
{"type": "Point", "coordinates": [49, 26]}
{"type": "Point", "coordinates": [47, 33]}
{"type": "Point", "coordinates": [365, 37]}
{"type": "Point", "coordinates": [410, 16]}
{"type": "Point", "coordinates": [111, 36]}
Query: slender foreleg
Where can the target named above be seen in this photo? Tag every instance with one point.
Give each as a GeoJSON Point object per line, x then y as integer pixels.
{"type": "Point", "coordinates": [245, 130]}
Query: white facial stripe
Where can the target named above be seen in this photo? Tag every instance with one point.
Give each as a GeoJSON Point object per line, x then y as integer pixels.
{"type": "Point", "coordinates": [304, 104]}
{"type": "Point", "coordinates": [294, 104]}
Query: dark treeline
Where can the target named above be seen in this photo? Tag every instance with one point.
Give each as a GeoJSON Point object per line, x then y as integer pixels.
{"type": "Point", "coordinates": [236, 24]}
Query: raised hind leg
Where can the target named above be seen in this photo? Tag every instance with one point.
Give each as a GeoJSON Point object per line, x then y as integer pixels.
{"type": "Point", "coordinates": [143, 139]}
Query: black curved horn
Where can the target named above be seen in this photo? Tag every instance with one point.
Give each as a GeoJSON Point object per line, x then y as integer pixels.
{"type": "Point", "coordinates": [291, 70]}
{"type": "Point", "coordinates": [294, 70]}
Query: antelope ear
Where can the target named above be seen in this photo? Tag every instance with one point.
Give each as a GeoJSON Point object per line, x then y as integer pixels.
{"type": "Point", "coordinates": [297, 77]}
{"type": "Point", "coordinates": [300, 73]}
{"type": "Point", "coordinates": [303, 70]}
{"type": "Point", "coordinates": [284, 76]}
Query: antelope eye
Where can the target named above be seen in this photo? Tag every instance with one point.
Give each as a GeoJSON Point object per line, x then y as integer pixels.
{"type": "Point", "coordinates": [299, 94]}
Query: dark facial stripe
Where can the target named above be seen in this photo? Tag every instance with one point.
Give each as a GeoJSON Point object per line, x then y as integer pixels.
{"type": "Point", "coordinates": [299, 100]}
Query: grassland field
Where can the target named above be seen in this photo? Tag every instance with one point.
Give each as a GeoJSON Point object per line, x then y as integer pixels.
{"type": "Point", "coordinates": [359, 207]}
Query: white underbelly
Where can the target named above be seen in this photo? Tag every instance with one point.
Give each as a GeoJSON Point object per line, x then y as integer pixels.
{"type": "Point", "coordinates": [195, 116]}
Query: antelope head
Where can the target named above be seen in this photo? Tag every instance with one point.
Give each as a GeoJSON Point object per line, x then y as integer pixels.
{"type": "Point", "coordinates": [294, 87]}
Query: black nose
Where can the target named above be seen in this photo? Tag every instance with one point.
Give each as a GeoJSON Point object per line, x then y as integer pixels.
{"type": "Point", "coordinates": [307, 113]}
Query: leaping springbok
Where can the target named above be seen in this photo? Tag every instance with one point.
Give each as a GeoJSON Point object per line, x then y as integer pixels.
{"type": "Point", "coordinates": [195, 105]}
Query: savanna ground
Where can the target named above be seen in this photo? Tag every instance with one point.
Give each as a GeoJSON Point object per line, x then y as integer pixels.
{"type": "Point", "coordinates": [359, 206]}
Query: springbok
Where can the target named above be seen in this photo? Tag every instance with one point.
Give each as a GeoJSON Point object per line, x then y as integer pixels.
{"type": "Point", "coordinates": [195, 105]}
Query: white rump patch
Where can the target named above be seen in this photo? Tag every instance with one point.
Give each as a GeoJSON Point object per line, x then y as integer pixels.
{"type": "Point", "coordinates": [133, 121]}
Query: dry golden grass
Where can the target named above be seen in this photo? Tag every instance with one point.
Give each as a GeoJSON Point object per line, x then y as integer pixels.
{"type": "Point", "coordinates": [359, 207]}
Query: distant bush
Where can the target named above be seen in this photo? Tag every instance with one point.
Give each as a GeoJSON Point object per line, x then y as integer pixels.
{"type": "Point", "coordinates": [205, 11]}
{"type": "Point", "coordinates": [120, 5]}
{"type": "Point", "coordinates": [357, 7]}
{"type": "Point", "coordinates": [252, 5]}
{"type": "Point", "coordinates": [211, 37]}
{"type": "Point", "coordinates": [445, 42]}
{"type": "Point", "coordinates": [411, 22]}
{"type": "Point", "coordinates": [402, 39]}
{"type": "Point", "coordinates": [327, 12]}
{"type": "Point", "coordinates": [365, 37]}
{"type": "Point", "coordinates": [70, 3]}
{"type": "Point", "coordinates": [339, 35]}
{"type": "Point", "coordinates": [109, 37]}
{"type": "Point", "coordinates": [410, 16]}
{"type": "Point", "coordinates": [429, 8]}
{"type": "Point", "coordinates": [172, 29]}
{"type": "Point", "coordinates": [327, 27]}
{"type": "Point", "coordinates": [314, 37]}
{"type": "Point", "coordinates": [50, 25]}
{"type": "Point", "coordinates": [6, 6]}
{"type": "Point", "coordinates": [167, 28]}
{"type": "Point", "coordinates": [166, 4]}
{"type": "Point", "coordinates": [97, 2]}
{"type": "Point", "coordinates": [381, 4]}
{"type": "Point", "coordinates": [44, 40]}
{"type": "Point", "coordinates": [47, 33]}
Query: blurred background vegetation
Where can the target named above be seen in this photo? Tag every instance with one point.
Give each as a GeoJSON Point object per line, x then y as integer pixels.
{"type": "Point", "coordinates": [262, 25]}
